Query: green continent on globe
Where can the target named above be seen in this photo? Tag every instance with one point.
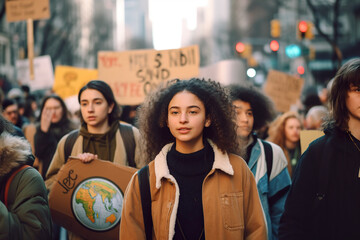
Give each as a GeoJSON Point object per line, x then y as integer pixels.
{"type": "Point", "coordinates": [86, 197]}
{"type": "Point", "coordinates": [83, 197]}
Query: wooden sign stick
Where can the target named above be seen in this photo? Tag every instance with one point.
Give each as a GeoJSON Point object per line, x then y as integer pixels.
{"type": "Point", "coordinates": [30, 45]}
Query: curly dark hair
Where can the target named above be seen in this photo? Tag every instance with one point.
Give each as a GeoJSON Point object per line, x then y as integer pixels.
{"type": "Point", "coordinates": [153, 115]}
{"type": "Point", "coordinates": [346, 76]}
{"type": "Point", "coordinates": [108, 94]}
{"type": "Point", "coordinates": [262, 107]}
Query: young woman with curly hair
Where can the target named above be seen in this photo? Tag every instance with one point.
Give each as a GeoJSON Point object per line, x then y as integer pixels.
{"type": "Point", "coordinates": [198, 189]}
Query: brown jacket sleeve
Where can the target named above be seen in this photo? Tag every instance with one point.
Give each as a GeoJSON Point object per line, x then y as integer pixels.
{"type": "Point", "coordinates": [132, 225]}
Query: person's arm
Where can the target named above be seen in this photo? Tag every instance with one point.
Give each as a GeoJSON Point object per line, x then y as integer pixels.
{"type": "Point", "coordinates": [294, 223]}
{"type": "Point", "coordinates": [279, 185]}
{"type": "Point", "coordinates": [255, 225]}
{"type": "Point", "coordinates": [132, 223]}
{"type": "Point", "coordinates": [29, 215]}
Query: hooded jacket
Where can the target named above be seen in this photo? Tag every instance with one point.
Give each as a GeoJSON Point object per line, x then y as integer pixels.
{"type": "Point", "coordinates": [27, 214]}
{"type": "Point", "coordinates": [231, 204]}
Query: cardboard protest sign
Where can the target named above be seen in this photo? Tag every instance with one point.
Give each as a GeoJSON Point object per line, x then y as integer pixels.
{"type": "Point", "coordinates": [43, 73]}
{"type": "Point", "coordinates": [133, 74]}
{"type": "Point", "coordinates": [283, 89]}
{"type": "Point", "coordinates": [19, 10]}
{"type": "Point", "coordinates": [87, 199]}
{"type": "Point", "coordinates": [69, 80]}
{"type": "Point", "coordinates": [307, 136]}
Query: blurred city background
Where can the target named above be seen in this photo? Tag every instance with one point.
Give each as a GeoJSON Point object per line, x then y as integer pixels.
{"type": "Point", "coordinates": [306, 38]}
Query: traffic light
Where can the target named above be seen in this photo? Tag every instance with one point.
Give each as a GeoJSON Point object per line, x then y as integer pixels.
{"type": "Point", "coordinates": [305, 30]}
{"type": "Point", "coordinates": [274, 45]}
{"type": "Point", "coordinates": [243, 49]}
{"type": "Point", "coordinates": [301, 70]}
{"type": "Point", "coordinates": [309, 33]}
{"type": "Point", "coordinates": [293, 51]}
{"type": "Point", "coordinates": [240, 47]}
{"type": "Point", "coordinates": [302, 27]}
{"type": "Point", "coordinates": [275, 28]}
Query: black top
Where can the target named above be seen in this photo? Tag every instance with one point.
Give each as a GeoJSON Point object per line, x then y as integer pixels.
{"type": "Point", "coordinates": [338, 215]}
{"type": "Point", "coordinates": [190, 171]}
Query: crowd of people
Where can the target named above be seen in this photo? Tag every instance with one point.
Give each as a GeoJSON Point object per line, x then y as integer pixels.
{"type": "Point", "coordinates": [219, 162]}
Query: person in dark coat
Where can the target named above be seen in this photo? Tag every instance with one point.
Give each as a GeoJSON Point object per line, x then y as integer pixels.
{"type": "Point", "coordinates": [24, 209]}
{"type": "Point", "coordinates": [323, 202]}
{"type": "Point", "coordinates": [54, 123]}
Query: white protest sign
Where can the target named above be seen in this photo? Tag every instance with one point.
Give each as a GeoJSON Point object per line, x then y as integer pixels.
{"type": "Point", "coordinates": [43, 73]}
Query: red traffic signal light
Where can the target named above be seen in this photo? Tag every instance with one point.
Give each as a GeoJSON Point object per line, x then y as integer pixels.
{"type": "Point", "coordinates": [303, 26]}
{"type": "Point", "coordinates": [240, 47]}
{"type": "Point", "coordinates": [274, 45]}
{"type": "Point", "coordinates": [300, 70]}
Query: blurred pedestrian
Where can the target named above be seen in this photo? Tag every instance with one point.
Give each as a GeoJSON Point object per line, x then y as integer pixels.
{"type": "Point", "coordinates": [99, 136]}
{"type": "Point", "coordinates": [24, 210]}
{"type": "Point", "coordinates": [198, 190]}
{"type": "Point", "coordinates": [285, 132]}
{"type": "Point", "coordinates": [11, 113]}
{"type": "Point", "coordinates": [53, 123]}
{"type": "Point", "coordinates": [323, 202]}
{"type": "Point", "coordinates": [266, 160]}
{"type": "Point", "coordinates": [315, 117]}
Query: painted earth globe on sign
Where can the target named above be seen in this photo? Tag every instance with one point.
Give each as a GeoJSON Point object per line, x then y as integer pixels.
{"type": "Point", "coordinates": [97, 204]}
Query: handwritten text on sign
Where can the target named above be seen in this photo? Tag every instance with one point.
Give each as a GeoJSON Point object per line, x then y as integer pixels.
{"type": "Point", "coordinates": [19, 10]}
{"type": "Point", "coordinates": [133, 74]}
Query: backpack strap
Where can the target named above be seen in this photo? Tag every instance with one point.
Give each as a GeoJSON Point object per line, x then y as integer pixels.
{"type": "Point", "coordinates": [9, 180]}
{"type": "Point", "coordinates": [268, 157]}
{"type": "Point", "coordinates": [127, 135]}
{"type": "Point", "coordinates": [69, 143]}
{"type": "Point", "coordinates": [145, 195]}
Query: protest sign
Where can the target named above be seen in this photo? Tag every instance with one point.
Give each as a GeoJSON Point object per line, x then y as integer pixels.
{"type": "Point", "coordinates": [43, 73]}
{"type": "Point", "coordinates": [19, 10]}
{"type": "Point", "coordinates": [283, 89]}
{"type": "Point", "coordinates": [307, 136]}
{"type": "Point", "coordinates": [133, 74]}
{"type": "Point", "coordinates": [87, 199]}
{"type": "Point", "coordinates": [69, 80]}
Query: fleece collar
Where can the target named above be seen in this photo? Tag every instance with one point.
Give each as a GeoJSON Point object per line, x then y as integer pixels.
{"type": "Point", "coordinates": [14, 151]}
{"type": "Point", "coordinates": [221, 162]}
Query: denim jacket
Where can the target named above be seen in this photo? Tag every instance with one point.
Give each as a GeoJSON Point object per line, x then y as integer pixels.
{"type": "Point", "coordinates": [272, 191]}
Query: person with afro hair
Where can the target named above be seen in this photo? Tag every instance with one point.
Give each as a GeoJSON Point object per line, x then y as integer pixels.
{"type": "Point", "coordinates": [266, 160]}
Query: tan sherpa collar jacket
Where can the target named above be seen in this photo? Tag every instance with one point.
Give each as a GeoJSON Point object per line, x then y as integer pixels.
{"type": "Point", "coordinates": [231, 205]}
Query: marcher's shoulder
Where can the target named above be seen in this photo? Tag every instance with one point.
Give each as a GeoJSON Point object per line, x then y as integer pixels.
{"type": "Point", "coordinates": [31, 179]}
{"type": "Point", "coordinates": [236, 161]}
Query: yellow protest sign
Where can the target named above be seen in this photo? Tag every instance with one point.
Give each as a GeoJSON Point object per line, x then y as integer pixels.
{"type": "Point", "coordinates": [133, 74]}
{"type": "Point", "coordinates": [307, 136]}
{"type": "Point", "coordinates": [283, 89]}
{"type": "Point", "coordinates": [69, 80]}
{"type": "Point", "coordinates": [19, 10]}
